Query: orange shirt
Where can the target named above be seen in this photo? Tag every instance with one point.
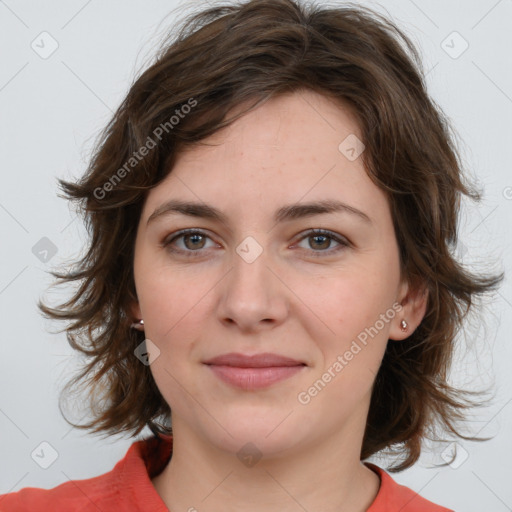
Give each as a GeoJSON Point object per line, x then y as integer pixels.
{"type": "Point", "coordinates": [128, 488]}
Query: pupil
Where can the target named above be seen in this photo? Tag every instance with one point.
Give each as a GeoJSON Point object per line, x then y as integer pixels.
{"type": "Point", "coordinates": [195, 238]}
{"type": "Point", "coordinates": [320, 240]}
{"type": "Point", "coordinates": [326, 240]}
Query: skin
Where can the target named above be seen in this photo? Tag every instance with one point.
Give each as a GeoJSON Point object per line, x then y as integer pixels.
{"type": "Point", "coordinates": [301, 298]}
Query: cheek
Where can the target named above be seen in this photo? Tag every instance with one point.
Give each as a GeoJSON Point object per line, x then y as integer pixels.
{"type": "Point", "coordinates": [174, 311]}
{"type": "Point", "coordinates": [347, 322]}
{"type": "Point", "coordinates": [167, 293]}
{"type": "Point", "coordinates": [176, 315]}
{"type": "Point", "coordinates": [175, 307]}
{"type": "Point", "coordinates": [347, 303]}
{"type": "Point", "coordinates": [350, 350]}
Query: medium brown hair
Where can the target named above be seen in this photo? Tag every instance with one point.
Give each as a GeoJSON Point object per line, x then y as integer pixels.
{"type": "Point", "coordinates": [242, 55]}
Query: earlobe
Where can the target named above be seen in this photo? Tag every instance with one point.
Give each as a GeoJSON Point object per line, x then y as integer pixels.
{"type": "Point", "coordinates": [414, 307]}
{"type": "Point", "coordinates": [137, 322]}
{"type": "Point", "coordinates": [138, 325]}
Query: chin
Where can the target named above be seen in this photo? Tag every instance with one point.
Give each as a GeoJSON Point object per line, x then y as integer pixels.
{"type": "Point", "coordinates": [265, 433]}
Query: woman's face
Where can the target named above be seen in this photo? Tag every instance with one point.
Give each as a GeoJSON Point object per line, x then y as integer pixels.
{"type": "Point", "coordinates": [253, 278]}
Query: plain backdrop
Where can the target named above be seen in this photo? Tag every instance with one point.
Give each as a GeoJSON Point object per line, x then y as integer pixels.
{"type": "Point", "coordinates": [65, 67]}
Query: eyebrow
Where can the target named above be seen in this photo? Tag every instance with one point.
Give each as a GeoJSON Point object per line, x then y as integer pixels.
{"type": "Point", "coordinates": [285, 213]}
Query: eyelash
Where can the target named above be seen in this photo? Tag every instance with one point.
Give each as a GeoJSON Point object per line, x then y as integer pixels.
{"type": "Point", "coordinates": [311, 233]}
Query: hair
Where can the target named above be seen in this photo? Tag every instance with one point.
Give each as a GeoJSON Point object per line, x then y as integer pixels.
{"type": "Point", "coordinates": [242, 55]}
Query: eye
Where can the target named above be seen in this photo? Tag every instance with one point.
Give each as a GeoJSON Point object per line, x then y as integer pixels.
{"type": "Point", "coordinates": [191, 241]}
{"type": "Point", "coordinates": [320, 242]}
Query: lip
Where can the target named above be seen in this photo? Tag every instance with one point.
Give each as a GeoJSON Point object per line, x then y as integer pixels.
{"type": "Point", "coordinates": [253, 372]}
{"type": "Point", "coordinates": [263, 360]}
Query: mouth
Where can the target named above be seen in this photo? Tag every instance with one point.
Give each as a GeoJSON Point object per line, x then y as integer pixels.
{"type": "Point", "coordinates": [253, 372]}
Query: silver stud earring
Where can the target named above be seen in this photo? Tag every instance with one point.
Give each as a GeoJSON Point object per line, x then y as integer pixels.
{"type": "Point", "coordinates": [403, 325]}
{"type": "Point", "coordinates": [139, 325]}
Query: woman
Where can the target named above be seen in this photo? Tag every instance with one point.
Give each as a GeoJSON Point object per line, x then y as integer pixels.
{"type": "Point", "coordinates": [273, 212]}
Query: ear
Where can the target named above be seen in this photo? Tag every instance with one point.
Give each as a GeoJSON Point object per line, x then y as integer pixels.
{"type": "Point", "coordinates": [414, 301]}
{"type": "Point", "coordinates": [135, 311]}
{"type": "Point", "coordinates": [134, 308]}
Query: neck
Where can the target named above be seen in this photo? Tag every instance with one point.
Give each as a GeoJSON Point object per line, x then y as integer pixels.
{"type": "Point", "coordinates": [327, 476]}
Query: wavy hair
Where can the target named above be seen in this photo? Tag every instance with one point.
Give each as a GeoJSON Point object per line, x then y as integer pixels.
{"type": "Point", "coordinates": [230, 56]}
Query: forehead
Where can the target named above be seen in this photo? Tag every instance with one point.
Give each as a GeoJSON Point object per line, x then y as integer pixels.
{"type": "Point", "coordinates": [284, 151]}
{"type": "Point", "coordinates": [285, 121]}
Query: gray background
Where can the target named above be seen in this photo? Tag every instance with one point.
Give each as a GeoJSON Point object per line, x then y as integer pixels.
{"type": "Point", "coordinates": [52, 108]}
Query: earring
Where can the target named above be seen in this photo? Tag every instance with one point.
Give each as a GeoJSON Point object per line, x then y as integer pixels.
{"type": "Point", "coordinates": [403, 325]}
{"type": "Point", "coordinates": [139, 325]}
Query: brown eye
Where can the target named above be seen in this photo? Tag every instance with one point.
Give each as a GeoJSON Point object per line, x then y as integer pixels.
{"type": "Point", "coordinates": [320, 242]}
{"type": "Point", "coordinates": [195, 241]}
{"type": "Point", "coordinates": [188, 242]}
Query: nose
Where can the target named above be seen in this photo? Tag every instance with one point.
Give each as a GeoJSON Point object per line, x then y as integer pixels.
{"type": "Point", "coordinates": [253, 296]}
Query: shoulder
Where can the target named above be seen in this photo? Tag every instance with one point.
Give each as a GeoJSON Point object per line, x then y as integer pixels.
{"type": "Point", "coordinates": [393, 496]}
{"type": "Point", "coordinates": [122, 489]}
{"type": "Point", "coordinates": [80, 495]}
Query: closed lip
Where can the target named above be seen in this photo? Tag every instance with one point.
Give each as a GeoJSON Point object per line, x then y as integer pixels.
{"type": "Point", "coordinates": [264, 360]}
